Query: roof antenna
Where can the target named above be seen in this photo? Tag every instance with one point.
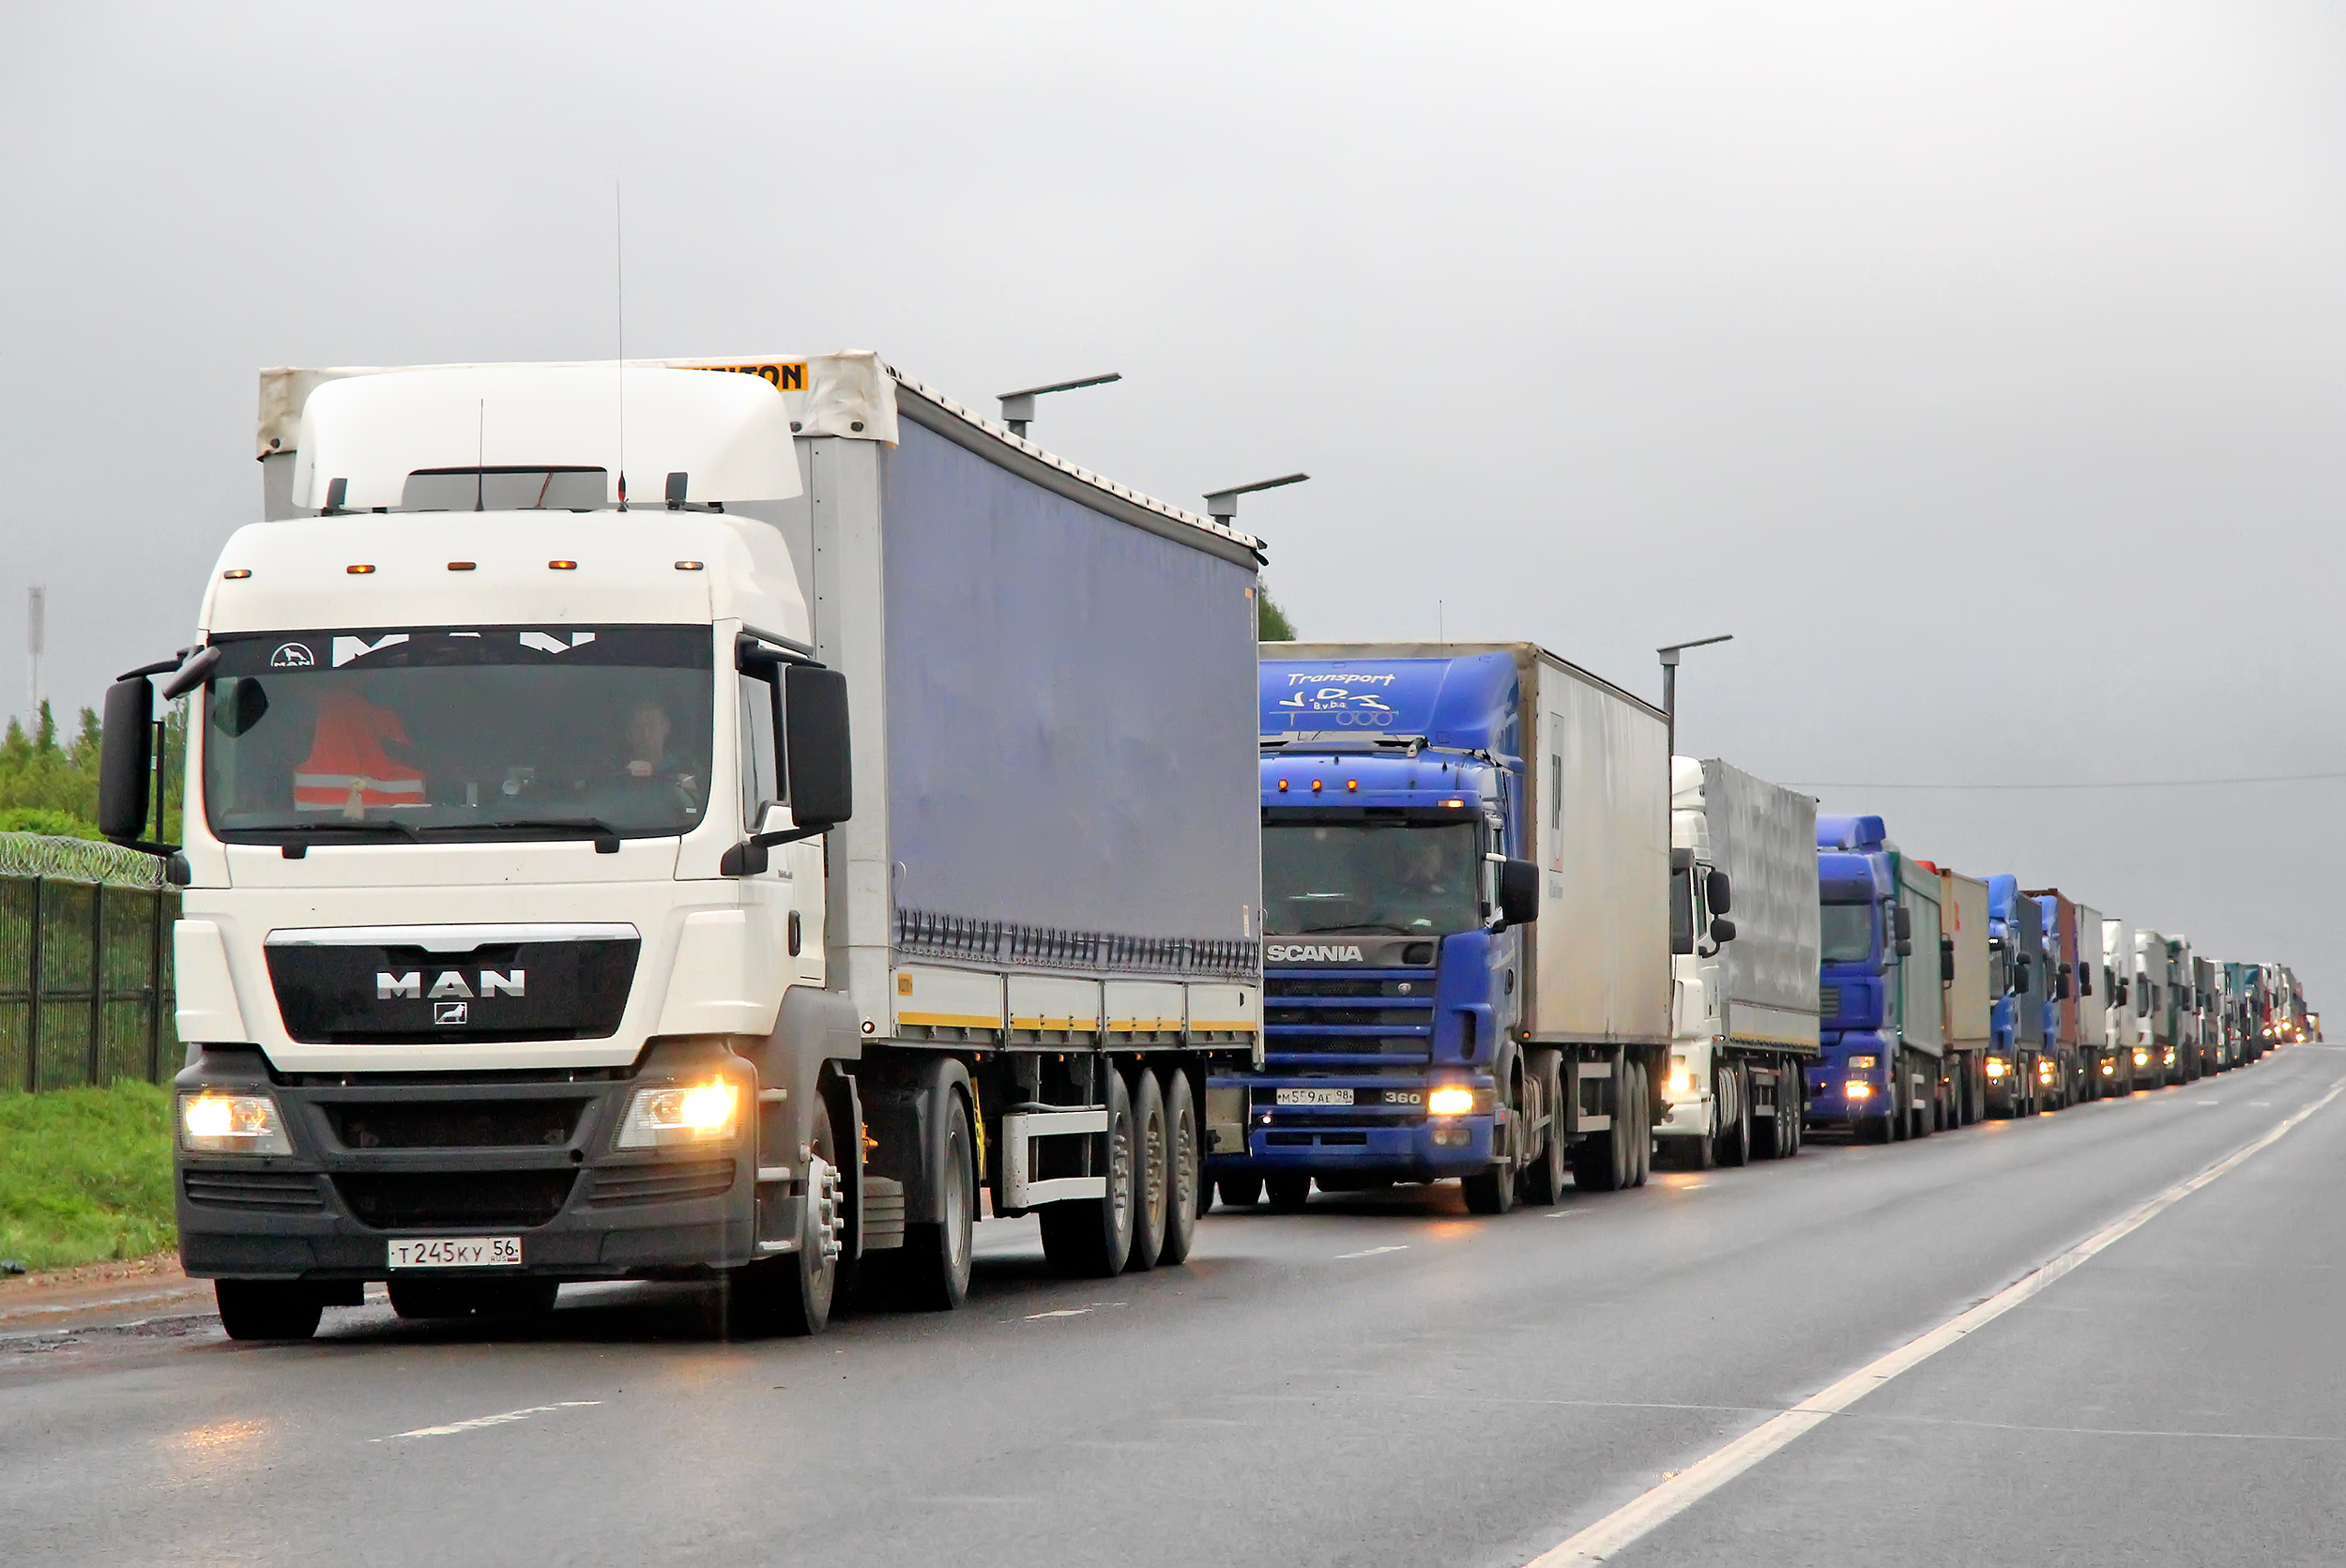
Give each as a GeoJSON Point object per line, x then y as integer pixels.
{"type": "Point", "coordinates": [481, 458]}
{"type": "Point", "coordinates": [619, 274]}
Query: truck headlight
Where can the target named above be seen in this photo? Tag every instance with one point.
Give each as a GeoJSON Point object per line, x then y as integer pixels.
{"type": "Point", "coordinates": [213, 1122]}
{"type": "Point", "coordinates": [1997, 1067]}
{"type": "Point", "coordinates": [1856, 1089]}
{"type": "Point", "coordinates": [1450, 1100]}
{"type": "Point", "coordinates": [2141, 1058]}
{"type": "Point", "coordinates": [682, 1113]}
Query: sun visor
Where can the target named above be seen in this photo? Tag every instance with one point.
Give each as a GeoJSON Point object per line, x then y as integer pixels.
{"type": "Point", "coordinates": [729, 436]}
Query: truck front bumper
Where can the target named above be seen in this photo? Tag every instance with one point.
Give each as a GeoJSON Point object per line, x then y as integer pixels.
{"type": "Point", "coordinates": [581, 1208]}
{"type": "Point", "coordinates": [1294, 1140]}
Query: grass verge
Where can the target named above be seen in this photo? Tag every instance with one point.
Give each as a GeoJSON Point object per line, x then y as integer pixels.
{"type": "Point", "coordinates": [86, 1175]}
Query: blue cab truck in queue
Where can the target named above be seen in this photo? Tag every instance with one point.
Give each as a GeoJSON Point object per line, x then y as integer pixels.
{"type": "Point", "coordinates": [2017, 1064]}
{"type": "Point", "coordinates": [1882, 969]}
{"type": "Point", "coordinates": [1466, 881]}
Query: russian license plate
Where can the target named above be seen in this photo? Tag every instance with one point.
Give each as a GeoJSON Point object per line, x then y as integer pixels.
{"type": "Point", "coordinates": [1314, 1096]}
{"type": "Point", "coordinates": [457, 1252]}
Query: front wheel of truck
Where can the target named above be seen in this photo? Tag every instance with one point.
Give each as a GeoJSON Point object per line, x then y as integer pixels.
{"type": "Point", "coordinates": [1543, 1178]}
{"type": "Point", "coordinates": [1492, 1190]}
{"type": "Point", "coordinates": [267, 1308]}
{"type": "Point", "coordinates": [1288, 1193]}
{"type": "Point", "coordinates": [792, 1296]}
{"type": "Point", "coordinates": [1091, 1238]}
{"type": "Point", "coordinates": [1238, 1191]}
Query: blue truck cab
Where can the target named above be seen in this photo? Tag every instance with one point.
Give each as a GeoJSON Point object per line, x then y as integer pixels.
{"type": "Point", "coordinates": [2015, 1019]}
{"type": "Point", "coordinates": [1881, 1069]}
{"type": "Point", "coordinates": [1385, 990]}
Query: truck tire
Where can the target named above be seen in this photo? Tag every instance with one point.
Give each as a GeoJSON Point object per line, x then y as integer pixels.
{"type": "Point", "coordinates": [1734, 1100]}
{"type": "Point", "coordinates": [1180, 1123]}
{"type": "Point", "coordinates": [1288, 1193]}
{"type": "Point", "coordinates": [1153, 1171]}
{"type": "Point", "coordinates": [1601, 1162]}
{"type": "Point", "coordinates": [1091, 1238]}
{"type": "Point", "coordinates": [1772, 1135]}
{"type": "Point", "coordinates": [1238, 1191]}
{"type": "Point", "coordinates": [1492, 1190]}
{"type": "Point", "coordinates": [1641, 1108]}
{"type": "Point", "coordinates": [792, 1295]}
{"type": "Point", "coordinates": [932, 1267]}
{"type": "Point", "coordinates": [267, 1308]}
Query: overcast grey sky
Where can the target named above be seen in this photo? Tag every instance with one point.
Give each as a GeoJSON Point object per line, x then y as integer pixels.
{"type": "Point", "coordinates": [1979, 365]}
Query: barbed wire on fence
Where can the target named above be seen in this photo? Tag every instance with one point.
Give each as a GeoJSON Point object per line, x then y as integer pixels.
{"type": "Point", "coordinates": [78, 860]}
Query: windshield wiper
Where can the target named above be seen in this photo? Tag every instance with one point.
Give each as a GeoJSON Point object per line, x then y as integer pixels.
{"type": "Point", "coordinates": [1359, 925]}
{"type": "Point", "coordinates": [606, 837]}
{"type": "Point", "coordinates": [370, 825]}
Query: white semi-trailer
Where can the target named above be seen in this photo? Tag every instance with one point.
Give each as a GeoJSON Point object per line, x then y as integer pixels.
{"type": "Point", "coordinates": [1745, 999]}
{"type": "Point", "coordinates": [734, 881]}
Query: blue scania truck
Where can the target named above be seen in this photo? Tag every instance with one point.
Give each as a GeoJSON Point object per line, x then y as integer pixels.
{"type": "Point", "coordinates": [2019, 1068]}
{"type": "Point", "coordinates": [1466, 926]}
{"type": "Point", "coordinates": [1881, 1063]}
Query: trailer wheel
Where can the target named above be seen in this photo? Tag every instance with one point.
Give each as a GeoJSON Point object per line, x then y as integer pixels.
{"type": "Point", "coordinates": [1093, 1236]}
{"type": "Point", "coordinates": [1734, 1098]}
{"type": "Point", "coordinates": [1188, 1185]}
{"type": "Point", "coordinates": [267, 1308]}
{"type": "Point", "coordinates": [1238, 1191]}
{"type": "Point", "coordinates": [1770, 1139]}
{"type": "Point", "coordinates": [1288, 1193]}
{"type": "Point", "coordinates": [1543, 1178]}
{"type": "Point", "coordinates": [933, 1266]}
{"type": "Point", "coordinates": [1153, 1171]}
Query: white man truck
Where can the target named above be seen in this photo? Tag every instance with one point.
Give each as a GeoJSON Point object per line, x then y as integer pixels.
{"type": "Point", "coordinates": [1743, 922]}
{"type": "Point", "coordinates": [735, 883]}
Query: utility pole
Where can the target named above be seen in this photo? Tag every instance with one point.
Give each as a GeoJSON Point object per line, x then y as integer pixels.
{"type": "Point", "coordinates": [36, 634]}
{"type": "Point", "coordinates": [1669, 680]}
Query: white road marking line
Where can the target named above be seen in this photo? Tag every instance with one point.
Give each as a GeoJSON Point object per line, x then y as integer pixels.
{"type": "Point", "coordinates": [1643, 1514]}
{"type": "Point", "coordinates": [1062, 1312]}
{"type": "Point", "coordinates": [477, 1422]}
{"type": "Point", "coordinates": [1370, 1253]}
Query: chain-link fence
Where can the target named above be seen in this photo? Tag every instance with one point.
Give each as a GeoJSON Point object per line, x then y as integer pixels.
{"type": "Point", "coordinates": [86, 992]}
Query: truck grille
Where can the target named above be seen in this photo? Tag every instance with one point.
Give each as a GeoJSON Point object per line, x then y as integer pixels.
{"type": "Point", "coordinates": [459, 1124]}
{"type": "Point", "coordinates": [422, 1200]}
{"type": "Point", "coordinates": [1315, 1019]}
{"type": "Point", "coordinates": [1829, 1000]}
{"type": "Point", "coordinates": [358, 995]}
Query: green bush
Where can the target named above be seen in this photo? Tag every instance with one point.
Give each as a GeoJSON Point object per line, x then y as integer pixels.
{"type": "Point", "coordinates": [86, 1175]}
{"type": "Point", "coordinates": [50, 824]}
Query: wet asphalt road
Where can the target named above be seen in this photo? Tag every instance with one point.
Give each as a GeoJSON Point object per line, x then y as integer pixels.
{"type": "Point", "coordinates": [1380, 1380]}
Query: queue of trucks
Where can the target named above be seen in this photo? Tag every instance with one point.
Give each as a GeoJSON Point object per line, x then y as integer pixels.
{"type": "Point", "coordinates": [856, 833]}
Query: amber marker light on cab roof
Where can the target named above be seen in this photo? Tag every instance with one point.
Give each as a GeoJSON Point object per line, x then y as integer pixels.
{"type": "Point", "coordinates": [461, 566]}
{"type": "Point", "coordinates": [358, 570]}
{"type": "Point", "coordinates": [235, 573]}
{"type": "Point", "coordinates": [561, 566]}
{"type": "Point", "coordinates": [688, 565]}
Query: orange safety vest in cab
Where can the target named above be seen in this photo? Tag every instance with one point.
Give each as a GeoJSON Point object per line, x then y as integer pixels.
{"type": "Point", "coordinates": [346, 767]}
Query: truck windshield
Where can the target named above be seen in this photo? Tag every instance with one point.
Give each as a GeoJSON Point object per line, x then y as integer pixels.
{"type": "Point", "coordinates": [1845, 933]}
{"type": "Point", "coordinates": [463, 732]}
{"type": "Point", "coordinates": [1404, 878]}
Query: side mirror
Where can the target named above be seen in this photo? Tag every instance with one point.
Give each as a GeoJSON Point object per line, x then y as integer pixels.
{"type": "Point", "coordinates": [1518, 893]}
{"type": "Point", "coordinates": [1903, 924]}
{"type": "Point", "coordinates": [2085, 979]}
{"type": "Point", "coordinates": [1946, 962]}
{"type": "Point", "coordinates": [1719, 893]}
{"type": "Point", "coordinates": [2019, 974]}
{"type": "Point", "coordinates": [2061, 983]}
{"type": "Point", "coordinates": [126, 760]}
{"type": "Point", "coordinates": [815, 741]}
{"type": "Point", "coordinates": [1722, 931]}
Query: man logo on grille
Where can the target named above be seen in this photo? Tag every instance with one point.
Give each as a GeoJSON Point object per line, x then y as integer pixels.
{"type": "Point", "coordinates": [291, 656]}
{"type": "Point", "coordinates": [451, 1013]}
